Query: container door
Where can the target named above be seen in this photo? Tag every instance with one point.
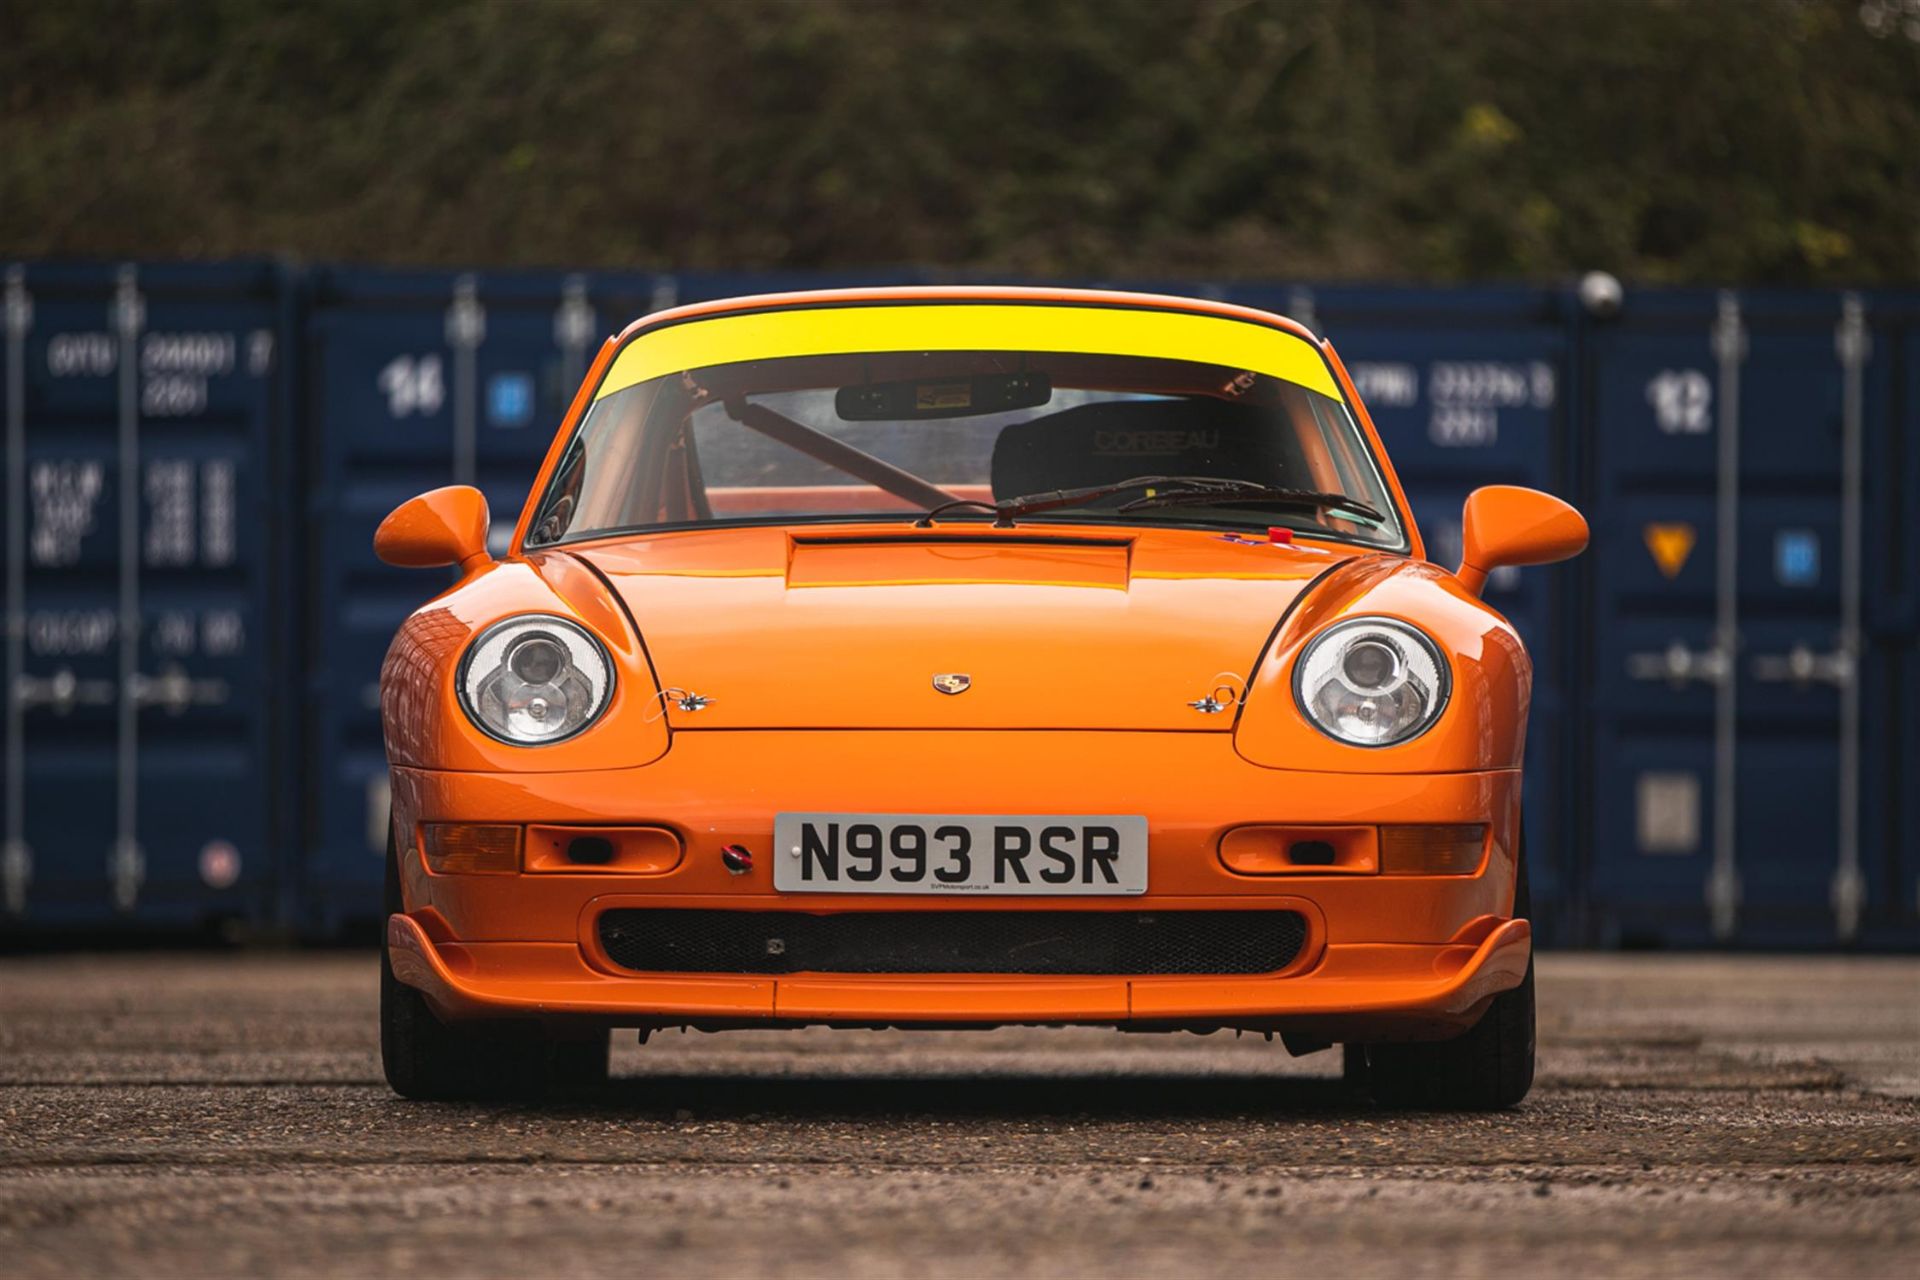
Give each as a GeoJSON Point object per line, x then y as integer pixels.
{"type": "Point", "coordinates": [416, 381]}
{"type": "Point", "coordinates": [144, 740]}
{"type": "Point", "coordinates": [1892, 759]}
{"type": "Point", "coordinates": [1728, 447]}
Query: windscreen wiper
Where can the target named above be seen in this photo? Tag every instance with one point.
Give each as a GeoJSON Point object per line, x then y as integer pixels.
{"type": "Point", "coordinates": [1260, 495]}
{"type": "Point", "coordinates": [1053, 499]}
{"type": "Point", "coordinates": [1167, 491]}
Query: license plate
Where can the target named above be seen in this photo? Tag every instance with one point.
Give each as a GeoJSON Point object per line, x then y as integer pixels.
{"type": "Point", "coordinates": [1026, 854]}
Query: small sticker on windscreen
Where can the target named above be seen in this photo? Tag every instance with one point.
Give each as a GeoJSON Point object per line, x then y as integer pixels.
{"type": "Point", "coordinates": [943, 395]}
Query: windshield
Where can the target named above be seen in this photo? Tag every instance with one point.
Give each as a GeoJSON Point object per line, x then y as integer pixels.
{"type": "Point", "coordinates": [887, 435]}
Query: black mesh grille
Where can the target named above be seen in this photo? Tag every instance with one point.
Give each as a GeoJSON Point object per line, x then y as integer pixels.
{"type": "Point", "coordinates": [1031, 942]}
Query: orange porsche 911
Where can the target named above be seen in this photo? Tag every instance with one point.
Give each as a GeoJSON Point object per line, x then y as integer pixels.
{"type": "Point", "coordinates": [959, 658]}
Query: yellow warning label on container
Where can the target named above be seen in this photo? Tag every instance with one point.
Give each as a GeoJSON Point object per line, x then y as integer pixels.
{"type": "Point", "coordinates": [1670, 545]}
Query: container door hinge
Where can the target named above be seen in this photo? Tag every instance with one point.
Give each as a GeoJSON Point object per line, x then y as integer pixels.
{"type": "Point", "coordinates": [665, 296]}
{"type": "Point", "coordinates": [16, 875]}
{"type": "Point", "coordinates": [19, 304]}
{"type": "Point", "coordinates": [1729, 337]}
{"type": "Point", "coordinates": [129, 313]}
{"type": "Point", "coordinates": [466, 318]}
{"type": "Point", "coordinates": [1723, 900]}
{"type": "Point", "coordinates": [573, 326]}
{"type": "Point", "coordinates": [1848, 896]}
{"type": "Point", "coordinates": [126, 872]}
{"type": "Point", "coordinates": [1851, 341]}
{"type": "Point", "coordinates": [573, 321]}
{"type": "Point", "coordinates": [1300, 309]}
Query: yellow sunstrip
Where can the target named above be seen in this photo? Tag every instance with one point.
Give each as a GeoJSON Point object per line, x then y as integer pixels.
{"type": "Point", "coordinates": [936, 326]}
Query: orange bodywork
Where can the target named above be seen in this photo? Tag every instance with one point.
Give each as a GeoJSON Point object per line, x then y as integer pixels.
{"type": "Point", "coordinates": [811, 647]}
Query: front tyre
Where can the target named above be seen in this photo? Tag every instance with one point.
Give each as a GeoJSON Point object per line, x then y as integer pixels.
{"type": "Point", "coordinates": [1490, 1068]}
{"type": "Point", "coordinates": [429, 1061]}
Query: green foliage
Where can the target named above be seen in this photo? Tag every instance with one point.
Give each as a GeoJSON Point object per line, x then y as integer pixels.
{"type": "Point", "coordinates": [1708, 140]}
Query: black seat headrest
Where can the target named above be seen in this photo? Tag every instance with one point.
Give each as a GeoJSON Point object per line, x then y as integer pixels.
{"type": "Point", "coordinates": [1107, 442]}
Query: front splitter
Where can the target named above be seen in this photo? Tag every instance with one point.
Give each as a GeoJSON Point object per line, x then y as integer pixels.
{"type": "Point", "coordinates": [1356, 991]}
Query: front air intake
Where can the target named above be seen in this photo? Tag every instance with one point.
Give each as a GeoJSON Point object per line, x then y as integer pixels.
{"type": "Point", "coordinates": [1140, 943]}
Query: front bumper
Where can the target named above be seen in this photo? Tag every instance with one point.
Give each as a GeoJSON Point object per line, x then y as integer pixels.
{"type": "Point", "coordinates": [1386, 956]}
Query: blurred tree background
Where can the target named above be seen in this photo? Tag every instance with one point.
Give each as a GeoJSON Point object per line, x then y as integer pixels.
{"type": "Point", "coordinates": [1665, 140]}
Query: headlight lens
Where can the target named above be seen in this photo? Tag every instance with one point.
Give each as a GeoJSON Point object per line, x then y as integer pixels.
{"type": "Point", "coordinates": [1371, 682]}
{"type": "Point", "coordinates": [535, 679]}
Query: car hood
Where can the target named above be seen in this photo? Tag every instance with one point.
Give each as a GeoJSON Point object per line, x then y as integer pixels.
{"type": "Point", "coordinates": [848, 627]}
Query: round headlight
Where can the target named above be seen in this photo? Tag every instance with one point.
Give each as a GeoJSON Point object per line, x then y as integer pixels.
{"type": "Point", "coordinates": [535, 679]}
{"type": "Point", "coordinates": [1371, 682]}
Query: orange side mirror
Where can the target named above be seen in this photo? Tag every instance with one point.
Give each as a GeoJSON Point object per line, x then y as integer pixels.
{"type": "Point", "coordinates": [444, 526]}
{"type": "Point", "coordinates": [1505, 524]}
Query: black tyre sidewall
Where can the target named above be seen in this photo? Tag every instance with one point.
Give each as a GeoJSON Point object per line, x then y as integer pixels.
{"type": "Point", "coordinates": [426, 1059]}
{"type": "Point", "coordinates": [1488, 1068]}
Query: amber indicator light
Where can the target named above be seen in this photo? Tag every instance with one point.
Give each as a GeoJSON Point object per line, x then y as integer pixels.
{"type": "Point", "coordinates": [465, 848]}
{"type": "Point", "coordinates": [1431, 851]}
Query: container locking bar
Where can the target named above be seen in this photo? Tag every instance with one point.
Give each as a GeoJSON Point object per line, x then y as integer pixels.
{"type": "Point", "coordinates": [176, 691]}
{"type": "Point", "coordinates": [63, 691]}
{"type": "Point", "coordinates": [573, 326]}
{"type": "Point", "coordinates": [1839, 667]}
{"type": "Point", "coordinates": [126, 863]}
{"type": "Point", "coordinates": [466, 330]}
{"type": "Point", "coordinates": [1804, 667]}
{"type": "Point", "coordinates": [16, 859]}
{"type": "Point", "coordinates": [1679, 665]}
{"type": "Point", "coordinates": [1723, 882]}
{"type": "Point", "coordinates": [1852, 345]}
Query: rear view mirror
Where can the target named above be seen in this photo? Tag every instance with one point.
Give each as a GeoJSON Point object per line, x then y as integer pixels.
{"type": "Point", "coordinates": [959, 397]}
{"type": "Point", "coordinates": [1504, 524]}
{"type": "Point", "coordinates": [444, 526]}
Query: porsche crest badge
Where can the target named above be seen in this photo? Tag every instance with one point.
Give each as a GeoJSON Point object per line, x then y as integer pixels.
{"type": "Point", "coordinates": [952, 682]}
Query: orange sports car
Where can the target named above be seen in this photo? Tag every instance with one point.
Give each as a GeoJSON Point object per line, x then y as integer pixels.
{"type": "Point", "coordinates": [956, 658]}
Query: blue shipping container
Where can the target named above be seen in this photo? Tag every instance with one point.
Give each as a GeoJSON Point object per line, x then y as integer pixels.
{"type": "Point", "coordinates": [415, 380]}
{"type": "Point", "coordinates": [1726, 727]}
{"type": "Point", "coordinates": [1741, 452]}
{"type": "Point", "coordinates": [1892, 782]}
{"type": "Point", "coordinates": [146, 739]}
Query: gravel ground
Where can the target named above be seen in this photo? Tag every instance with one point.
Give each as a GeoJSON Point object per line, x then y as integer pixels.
{"type": "Point", "coordinates": [214, 1115]}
